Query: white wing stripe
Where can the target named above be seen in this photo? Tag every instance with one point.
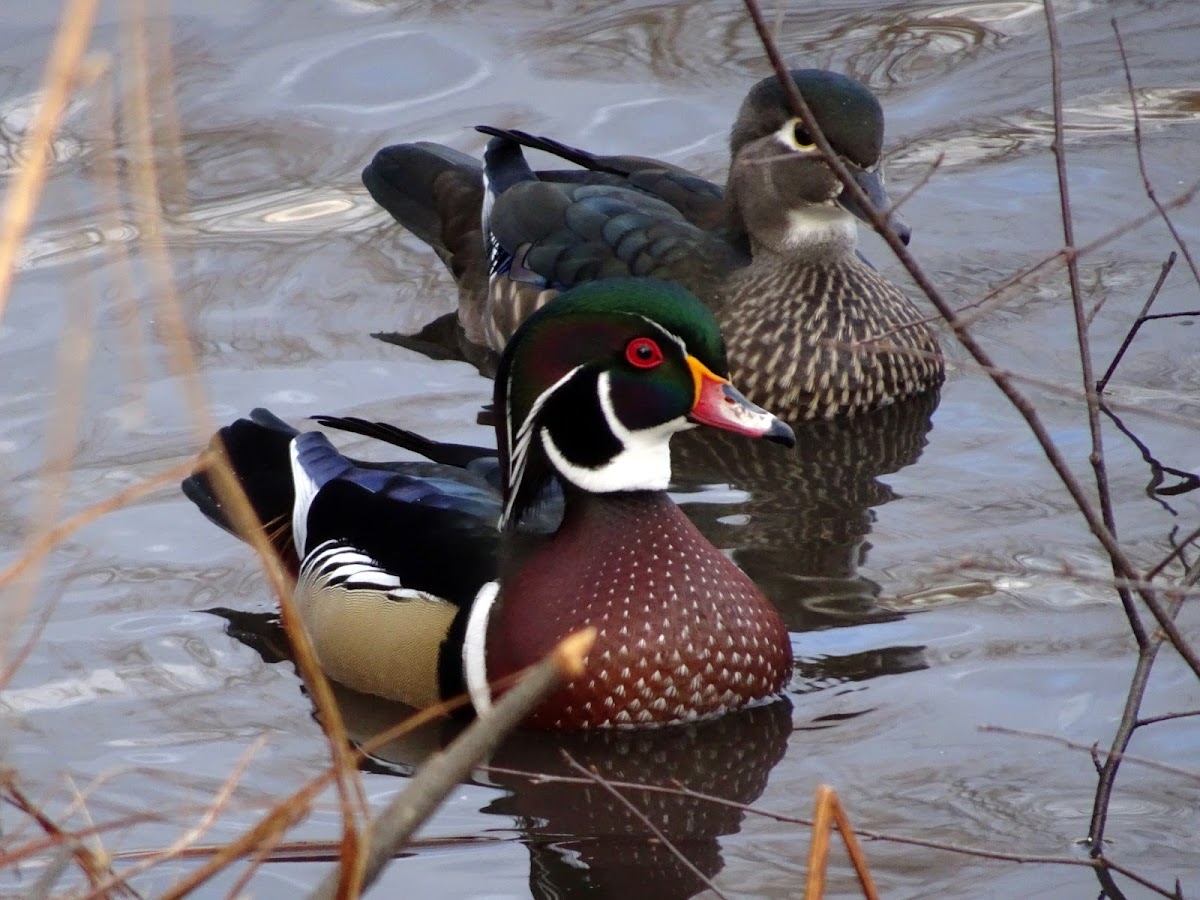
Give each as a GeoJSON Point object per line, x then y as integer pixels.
{"type": "Point", "coordinates": [475, 648]}
{"type": "Point", "coordinates": [306, 490]}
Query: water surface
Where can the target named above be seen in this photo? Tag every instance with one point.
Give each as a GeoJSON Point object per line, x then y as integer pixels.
{"type": "Point", "coordinates": [936, 577]}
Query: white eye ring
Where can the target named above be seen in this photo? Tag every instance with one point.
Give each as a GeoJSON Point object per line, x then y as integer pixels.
{"type": "Point", "coordinates": [790, 134]}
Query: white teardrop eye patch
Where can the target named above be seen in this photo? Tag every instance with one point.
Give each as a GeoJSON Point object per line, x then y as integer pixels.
{"type": "Point", "coordinates": [793, 135]}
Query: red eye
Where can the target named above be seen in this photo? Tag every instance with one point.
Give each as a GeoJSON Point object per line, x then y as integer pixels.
{"type": "Point", "coordinates": [643, 353]}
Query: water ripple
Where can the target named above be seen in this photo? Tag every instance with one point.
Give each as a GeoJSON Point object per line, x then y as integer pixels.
{"type": "Point", "coordinates": [286, 215]}
{"type": "Point", "coordinates": [1105, 112]}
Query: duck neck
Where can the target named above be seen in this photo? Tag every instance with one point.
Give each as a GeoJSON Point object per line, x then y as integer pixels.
{"type": "Point", "coordinates": [585, 510]}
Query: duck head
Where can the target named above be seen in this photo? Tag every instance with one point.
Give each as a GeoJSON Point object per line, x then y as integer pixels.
{"type": "Point", "coordinates": [782, 192]}
{"type": "Point", "coordinates": [592, 386]}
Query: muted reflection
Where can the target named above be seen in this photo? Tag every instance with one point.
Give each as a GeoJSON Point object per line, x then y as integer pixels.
{"type": "Point", "coordinates": [802, 531]}
{"type": "Point", "coordinates": [582, 840]}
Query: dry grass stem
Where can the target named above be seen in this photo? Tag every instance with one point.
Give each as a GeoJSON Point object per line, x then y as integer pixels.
{"type": "Point", "coordinates": [151, 144]}
{"type": "Point", "coordinates": [192, 834]}
{"type": "Point", "coordinates": [63, 71]}
{"type": "Point", "coordinates": [94, 865]}
{"type": "Point", "coordinates": [174, 334]}
{"type": "Point", "coordinates": [829, 813]}
{"type": "Point", "coordinates": [440, 774]}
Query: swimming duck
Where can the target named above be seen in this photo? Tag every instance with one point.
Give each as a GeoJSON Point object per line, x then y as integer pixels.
{"type": "Point", "coordinates": [411, 591]}
{"type": "Point", "coordinates": [813, 330]}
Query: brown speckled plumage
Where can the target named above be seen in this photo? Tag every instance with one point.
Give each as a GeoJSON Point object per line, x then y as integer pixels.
{"type": "Point", "coordinates": [823, 339]}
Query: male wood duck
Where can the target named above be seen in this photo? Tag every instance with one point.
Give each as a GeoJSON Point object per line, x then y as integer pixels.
{"type": "Point", "coordinates": [813, 331]}
{"type": "Point", "coordinates": [410, 591]}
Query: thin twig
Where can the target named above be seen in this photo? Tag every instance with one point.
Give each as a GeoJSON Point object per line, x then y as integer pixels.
{"type": "Point", "coordinates": [1149, 647]}
{"type": "Point", "coordinates": [1124, 733]}
{"type": "Point", "coordinates": [917, 185]}
{"type": "Point", "coordinates": [1167, 717]}
{"type": "Point", "coordinates": [1141, 157]}
{"type": "Point", "coordinates": [1138, 322]}
{"type": "Point", "coordinates": [1098, 863]}
{"type": "Point", "coordinates": [629, 805]}
{"type": "Point", "coordinates": [1090, 748]}
{"type": "Point", "coordinates": [1174, 554]}
{"type": "Point", "coordinates": [994, 296]}
{"type": "Point", "coordinates": [1018, 400]}
{"type": "Point", "coordinates": [1091, 396]}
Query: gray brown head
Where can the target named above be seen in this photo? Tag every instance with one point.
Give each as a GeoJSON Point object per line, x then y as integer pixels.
{"type": "Point", "coordinates": [781, 190]}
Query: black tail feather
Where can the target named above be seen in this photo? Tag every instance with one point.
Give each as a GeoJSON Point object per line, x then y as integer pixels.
{"type": "Point", "coordinates": [411, 181]}
{"type": "Point", "coordinates": [505, 165]}
{"type": "Point", "coordinates": [459, 455]}
{"type": "Point", "coordinates": [258, 449]}
{"type": "Point", "coordinates": [556, 148]}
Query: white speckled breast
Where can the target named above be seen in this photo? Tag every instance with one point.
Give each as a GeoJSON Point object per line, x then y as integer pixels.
{"type": "Point", "coordinates": [682, 631]}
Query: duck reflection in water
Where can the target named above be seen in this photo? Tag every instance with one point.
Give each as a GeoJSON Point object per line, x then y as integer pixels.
{"type": "Point", "coordinates": [583, 841]}
{"type": "Point", "coordinates": [800, 522]}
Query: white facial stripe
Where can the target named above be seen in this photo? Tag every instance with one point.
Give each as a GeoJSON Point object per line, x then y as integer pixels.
{"type": "Point", "coordinates": [643, 463]}
{"type": "Point", "coordinates": [518, 451]}
{"type": "Point", "coordinates": [674, 337]}
{"type": "Point", "coordinates": [475, 648]}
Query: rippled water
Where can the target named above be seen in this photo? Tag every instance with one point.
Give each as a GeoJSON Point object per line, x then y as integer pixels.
{"type": "Point", "coordinates": [936, 579]}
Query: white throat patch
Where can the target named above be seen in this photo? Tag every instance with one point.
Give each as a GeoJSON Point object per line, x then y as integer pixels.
{"type": "Point", "coordinates": [821, 227]}
{"type": "Point", "coordinates": [643, 463]}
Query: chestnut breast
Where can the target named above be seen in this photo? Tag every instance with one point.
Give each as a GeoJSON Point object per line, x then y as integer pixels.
{"type": "Point", "coordinates": [682, 632]}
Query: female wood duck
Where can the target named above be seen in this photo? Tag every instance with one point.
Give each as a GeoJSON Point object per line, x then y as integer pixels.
{"type": "Point", "coordinates": [411, 592]}
{"type": "Point", "coordinates": [813, 331]}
